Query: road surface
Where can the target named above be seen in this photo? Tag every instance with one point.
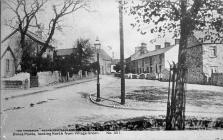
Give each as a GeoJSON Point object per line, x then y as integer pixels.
{"type": "Point", "coordinates": [70, 105]}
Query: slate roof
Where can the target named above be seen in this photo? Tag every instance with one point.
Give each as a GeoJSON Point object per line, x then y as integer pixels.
{"type": "Point", "coordinates": [64, 52]}
{"type": "Point", "coordinates": [8, 49]}
{"type": "Point", "coordinates": [30, 34]}
{"type": "Point", "coordinates": [104, 55]}
{"type": "Point", "coordinates": [155, 52]}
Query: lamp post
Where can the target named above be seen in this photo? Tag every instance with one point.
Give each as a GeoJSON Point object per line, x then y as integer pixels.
{"type": "Point", "coordinates": [97, 45]}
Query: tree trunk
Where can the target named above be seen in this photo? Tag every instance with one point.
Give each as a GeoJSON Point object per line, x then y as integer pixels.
{"type": "Point", "coordinates": [176, 118]}
{"type": "Point", "coordinates": [46, 44]}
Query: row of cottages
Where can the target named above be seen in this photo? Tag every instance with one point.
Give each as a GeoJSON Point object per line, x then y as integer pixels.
{"type": "Point", "coordinates": [11, 55]}
{"type": "Point", "coordinates": [203, 59]}
{"type": "Point", "coordinates": [104, 59]}
{"type": "Point", "coordinates": [144, 61]}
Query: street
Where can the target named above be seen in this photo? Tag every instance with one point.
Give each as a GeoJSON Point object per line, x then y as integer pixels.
{"type": "Point", "coordinates": [71, 105]}
{"type": "Point", "coordinates": [61, 107]}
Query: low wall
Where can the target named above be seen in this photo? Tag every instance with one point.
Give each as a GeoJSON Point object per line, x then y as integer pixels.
{"type": "Point", "coordinates": [217, 79]}
{"type": "Point", "coordinates": [78, 76]}
{"type": "Point", "coordinates": [90, 75]}
{"type": "Point", "coordinates": [48, 77]}
{"type": "Point", "coordinates": [20, 80]}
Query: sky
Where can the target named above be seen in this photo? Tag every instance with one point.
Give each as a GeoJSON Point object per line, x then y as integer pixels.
{"type": "Point", "coordinates": [102, 22]}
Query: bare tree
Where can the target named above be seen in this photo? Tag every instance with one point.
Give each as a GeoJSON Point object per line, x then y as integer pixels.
{"type": "Point", "coordinates": [25, 15]}
{"type": "Point", "coordinates": [66, 8]}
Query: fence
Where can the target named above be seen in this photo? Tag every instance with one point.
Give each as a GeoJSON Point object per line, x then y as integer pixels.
{"type": "Point", "coordinates": [73, 77]}
{"type": "Point", "coordinates": [34, 81]}
{"type": "Point", "coordinates": [217, 79]}
{"type": "Point", "coordinates": [176, 98]}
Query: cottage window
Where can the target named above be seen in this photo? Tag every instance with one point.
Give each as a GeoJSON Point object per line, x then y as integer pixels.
{"type": "Point", "coordinates": [143, 62]}
{"type": "Point", "coordinates": [213, 51]}
{"type": "Point", "coordinates": [151, 69]}
{"type": "Point", "coordinates": [161, 58]}
{"type": "Point", "coordinates": [156, 68]}
{"type": "Point", "coordinates": [214, 69]}
{"type": "Point", "coordinates": [7, 65]}
{"type": "Point", "coordinates": [150, 61]}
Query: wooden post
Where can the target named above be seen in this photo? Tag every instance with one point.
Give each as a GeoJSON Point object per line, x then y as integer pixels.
{"type": "Point", "coordinates": [122, 52]}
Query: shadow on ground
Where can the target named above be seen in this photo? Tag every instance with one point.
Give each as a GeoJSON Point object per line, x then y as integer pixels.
{"type": "Point", "coordinates": [193, 97]}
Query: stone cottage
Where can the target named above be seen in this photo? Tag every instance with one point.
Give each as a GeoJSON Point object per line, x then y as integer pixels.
{"type": "Point", "coordinates": [203, 59]}
{"type": "Point", "coordinates": [154, 61]}
{"type": "Point", "coordinates": [104, 59]}
{"type": "Point", "coordinates": [7, 62]}
{"type": "Point", "coordinates": [12, 41]}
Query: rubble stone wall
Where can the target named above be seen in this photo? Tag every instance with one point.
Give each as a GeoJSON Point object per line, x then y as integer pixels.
{"type": "Point", "coordinates": [217, 79]}
{"type": "Point", "coordinates": [194, 65]}
{"type": "Point", "coordinates": [20, 80]}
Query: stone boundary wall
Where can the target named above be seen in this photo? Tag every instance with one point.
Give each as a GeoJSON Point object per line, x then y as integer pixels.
{"type": "Point", "coordinates": [20, 80]}
{"type": "Point", "coordinates": [217, 79]}
{"type": "Point", "coordinates": [47, 77]}
{"type": "Point", "coordinates": [147, 123]}
{"type": "Point", "coordinates": [76, 76]}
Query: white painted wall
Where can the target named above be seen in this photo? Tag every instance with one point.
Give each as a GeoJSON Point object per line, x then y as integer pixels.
{"type": "Point", "coordinates": [45, 78]}
{"type": "Point", "coordinates": [210, 61]}
{"type": "Point", "coordinates": [171, 56]}
{"type": "Point", "coordinates": [11, 71]}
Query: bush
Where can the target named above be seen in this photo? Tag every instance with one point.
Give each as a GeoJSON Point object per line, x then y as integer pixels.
{"type": "Point", "coordinates": [135, 76]}
{"type": "Point", "coordinates": [152, 76]}
{"type": "Point", "coordinates": [165, 75]}
{"type": "Point", "coordinates": [142, 76]}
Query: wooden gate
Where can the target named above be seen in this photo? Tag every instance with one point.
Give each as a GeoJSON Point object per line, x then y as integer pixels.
{"type": "Point", "coordinates": [175, 115]}
{"type": "Point", "coordinates": [34, 81]}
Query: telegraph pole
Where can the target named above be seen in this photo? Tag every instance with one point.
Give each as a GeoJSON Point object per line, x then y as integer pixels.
{"type": "Point", "coordinates": [122, 52]}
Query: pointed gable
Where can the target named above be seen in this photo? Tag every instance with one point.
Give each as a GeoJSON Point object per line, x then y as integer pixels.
{"type": "Point", "coordinates": [10, 50]}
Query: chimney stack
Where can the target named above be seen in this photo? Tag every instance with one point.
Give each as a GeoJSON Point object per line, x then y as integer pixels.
{"type": "Point", "coordinates": [157, 47]}
{"type": "Point", "coordinates": [177, 41]}
{"type": "Point", "coordinates": [143, 44]}
{"type": "Point", "coordinates": [167, 44]}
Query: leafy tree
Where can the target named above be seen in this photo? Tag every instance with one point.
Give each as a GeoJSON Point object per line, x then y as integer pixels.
{"type": "Point", "coordinates": [117, 67]}
{"type": "Point", "coordinates": [83, 53]}
{"type": "Point", "coordinates": [93, 67]}
{"type": "Point", "coordinates": [27, 58]}
{"type": "Point", "coordinates": [181, 18]}
{"type": "Point", "coordinates": [128, 67]}
{"type": "Point", "coordinates": [78, 60]}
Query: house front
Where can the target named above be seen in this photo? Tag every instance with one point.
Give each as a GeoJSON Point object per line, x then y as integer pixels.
{"type": "Point", "coordinates": [203, 59]}
{"type": "Point", "coordinates": [157, 60]}
{"type": "Point", "coordinates": [105, 61]}
{"type": "Point", "coordinates": [35, 40]}
{"type": "Point", "coordinates": [7, 62]}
